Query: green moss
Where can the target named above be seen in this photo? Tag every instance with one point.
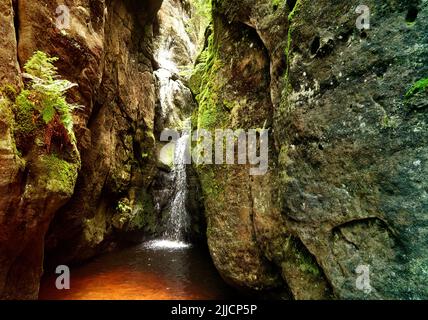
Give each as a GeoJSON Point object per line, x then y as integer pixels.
{"type": "Point", "coordinates": [24, 110]}
{"type": "Point", "coordinates": [210, 182]}
{"type": "Point", "coordinates": [419, 86]}
{"type": "Point", "coordinates": [146, 218]}
{"type": "Point", "coordinates": [60, 175]}
{"type": "Point", "coordinates": [389, 122]}
{"type": "Point", "coordinates": [208, 87]}
{"type": "Point", "coordinates": [277, 3]}
{"type": "Point", "coordinates": [8, 91]}
{"type": "Point", "coordinates": [284, 105]}
{"type": "Point", "coordinates": [5, 110]}
{"type": "Point", "coordinates": [123, 206]}
{"type": "Point", "coordinates": [294, 11]}
{"type": "Point", "coordinates": [305, 261]}
{"type": "Point", "coordinates": [230, 105]}
{"type": "Point", "coordinates": [8, 119]}
{"type": "Point", "coordinates": [195, 80]}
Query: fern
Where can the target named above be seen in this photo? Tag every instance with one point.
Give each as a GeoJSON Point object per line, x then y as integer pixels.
{"type": "Point", "coordinates": [45, 93]}
{"type": "Point", "coordinates": [23, 101]}
{"type": "Point", "coordinates": [42, 66]}
{"type": "Point", "coordinates": [48, 113]}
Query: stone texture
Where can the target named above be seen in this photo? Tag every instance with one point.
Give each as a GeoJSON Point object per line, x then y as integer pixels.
{"type": "Point", "coordinates": [33, 185]}
{"type": "Point", "coordinates": [232, 86]}
{"type": "Point", "coordinates": [354, 148]}
{"type": "Point", "coordinates": [9, 69]}
{"type": "Point", "coordinates": [345, 187]}
{"type": "Point", "coordinates": [117, 143]}
{"type": "Point", "coordinates": [107, 51]}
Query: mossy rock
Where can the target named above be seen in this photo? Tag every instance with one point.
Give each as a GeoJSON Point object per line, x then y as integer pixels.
{"type": "Point", "coordinates": [57, 175]}
{"type": "Point", "coordinates": [419, 86]}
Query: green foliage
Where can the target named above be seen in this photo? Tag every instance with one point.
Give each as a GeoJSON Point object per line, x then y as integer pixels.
{"type": "Point", "coordinates": [146, 218]}
{"type": "Point", "coordinates": [200, 18]}
{"type": "Point", "coordinates": [123, 206]}
{"type": "Point", "coordinates": [203, 7]}
{"type": "Point", "coordinates": [143, 217]}
{"type": "Point", "coordinates": [44, 95]}
{"type": "Point", "coordinates": [60, 175]}
{"type": "Point", "coordinates": [419, 86]}
{"type": "Point", "coordinates": [42, 66]}
{"type": "Point", "coordinates": [305, 261]}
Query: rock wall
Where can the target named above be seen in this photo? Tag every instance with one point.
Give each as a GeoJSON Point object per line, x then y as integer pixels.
{"type": "Point", "coordinates": [341, 212]}
{"type": "Point", "coordinates": [117, 141]}
{"type": "Point", "coordinates": [107, 50]}
{"type": "Point", "coordinates": [354, 144]}
{"type": "Point", "coordinates": [176, 45]}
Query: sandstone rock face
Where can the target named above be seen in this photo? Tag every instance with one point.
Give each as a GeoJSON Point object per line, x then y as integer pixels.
{"type": "Point", "coordinates": [174, 51]}
{"type": "Point", "coordinates": [117, 141]}
{"type": "Point", "coordinates": [232, 83]}
{"type": "Point", "coordinates": [341, 212]}
{"type": "Point", "coordinates": [9, 68]}
{"type": "Point", "coordinates": [106, 49]}
{"type": "Point", "coordinates": [354, 147]}
{"type": "Point", "coordinates": [34, 184]}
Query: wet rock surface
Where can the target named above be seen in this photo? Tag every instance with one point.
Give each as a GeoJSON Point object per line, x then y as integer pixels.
{"type": "Point", "coordinates": [345, 186]}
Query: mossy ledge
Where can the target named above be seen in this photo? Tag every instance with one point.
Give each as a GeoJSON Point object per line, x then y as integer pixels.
{"type": "Point", "coordinates": [60, 175]}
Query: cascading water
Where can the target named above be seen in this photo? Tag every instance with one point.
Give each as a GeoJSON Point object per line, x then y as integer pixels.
{"type": "Point", "coordinates": [174, 50]}
{"type": "Point", "coordinates": [179, 221]}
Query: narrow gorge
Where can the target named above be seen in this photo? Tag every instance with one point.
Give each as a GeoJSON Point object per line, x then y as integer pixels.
{"type": "Point", "coordinates": [110, 111]}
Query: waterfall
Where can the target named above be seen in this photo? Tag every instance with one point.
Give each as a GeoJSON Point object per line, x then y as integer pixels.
{"type": "Point", "coordinates": [179, 221]}
{"type": "Point", "coordinates": [174, 51]}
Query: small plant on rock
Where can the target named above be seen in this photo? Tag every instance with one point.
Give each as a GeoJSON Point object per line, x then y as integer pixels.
{"type": "Point", "coordinates": [43, 98]}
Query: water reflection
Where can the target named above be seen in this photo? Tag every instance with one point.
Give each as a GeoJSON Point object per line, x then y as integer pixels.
{"type": "Point", "coordinates": [143, 273]}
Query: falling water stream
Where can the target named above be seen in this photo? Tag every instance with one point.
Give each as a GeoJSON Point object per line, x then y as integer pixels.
{"type": "Point", "coordinates": [178, 221]}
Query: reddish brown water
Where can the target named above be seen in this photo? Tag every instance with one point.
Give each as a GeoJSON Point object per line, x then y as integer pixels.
{"type": "Point", "coordinates": [141, 273]}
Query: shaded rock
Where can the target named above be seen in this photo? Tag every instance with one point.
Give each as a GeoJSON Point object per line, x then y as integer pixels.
{"type": "Point", "coordinates": [344, 188]}
{"type": "Point", "coordinates": [117, 144]}
{"type": "Point", "coordinates": [106, 48]}
{"type": "Point", "coordinates": [353, 153]}
{"type": "Point", "coordinates": [233, 92]}
{"type": "Point", "coordinates": [9, 68]}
